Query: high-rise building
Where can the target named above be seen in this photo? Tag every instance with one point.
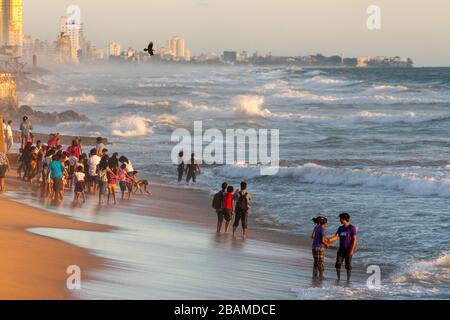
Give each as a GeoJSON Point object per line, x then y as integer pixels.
{"type": "Point", "coordinates": [8, 94]}
{"type": "Point", "coordinates": [74, 29]}
{"type": "Point", "coordinates": [64, 52]}
{"type": "Point", "coordinates": [11, 24]}
{"type": "Point", "coordinates": [180, 48]}
{"type": "Point", "coordinates": [113, 50]}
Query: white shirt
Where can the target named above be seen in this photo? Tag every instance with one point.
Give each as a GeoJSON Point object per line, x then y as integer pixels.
{"type": "Point", "coordinates": [9, 132]}
{"type": "Point", "coordinates": [93, 162]}
{"type": "Point", "coordinates": [129, 167]}
{"type": "Point", "coordinates": [79, 176]}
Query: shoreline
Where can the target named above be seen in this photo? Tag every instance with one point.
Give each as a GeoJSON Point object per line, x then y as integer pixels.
{"type": "Point", "coordinates": [282, 262]}
{"type": "Point", "coordinates": [33, 266]}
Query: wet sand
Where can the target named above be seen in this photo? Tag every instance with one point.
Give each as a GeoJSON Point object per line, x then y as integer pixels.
{"type": "Point", "coordinates": [165, 247]}
{"type": "Point", "coordinates": [32, 266]}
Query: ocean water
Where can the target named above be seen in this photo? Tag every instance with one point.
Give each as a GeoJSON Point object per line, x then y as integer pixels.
{"type": "Point", "coordinates": [371, 142]}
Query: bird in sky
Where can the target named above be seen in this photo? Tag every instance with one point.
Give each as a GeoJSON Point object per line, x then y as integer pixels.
{"type": "Point", "coordinates": [149, 49]}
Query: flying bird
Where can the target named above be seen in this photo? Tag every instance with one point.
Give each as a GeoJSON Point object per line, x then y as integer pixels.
{"type": "Point", "coordinates": [150, 49]}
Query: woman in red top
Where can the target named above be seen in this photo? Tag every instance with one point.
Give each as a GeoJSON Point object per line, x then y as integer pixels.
{"type": "Point", "coordinates": [227, 207]}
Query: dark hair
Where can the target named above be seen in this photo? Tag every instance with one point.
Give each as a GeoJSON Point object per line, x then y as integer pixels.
{"type": "Point", "coordinates": [93, 152]}
{"type": "Point", "coordinates": [344, 216]}
{"type": "Point", "coordinates": [320, 220]}
{"type": "Point", "coordinates": [123, 159]}
{"type": "Point", "coordinates": [10, 121]}
{"type": "Point", "coordinates": [243, 185]}
{"type": "Point", "coordinates": [123, 166]}
{"type": "Point", "coordinates": [80, 168]}
{"type": "Point", "coordinates": [224, 185]}
{"type": "Point", "coordinates": [105, 150]}
{"type": "Point", "coordinates": [230, 189]}
{"type": "Point", "coordinates": [99, 139]}
{"type": "Point", "coordinates": [181, 153]}
{"type": "Point", "coordinates": [25, 118]}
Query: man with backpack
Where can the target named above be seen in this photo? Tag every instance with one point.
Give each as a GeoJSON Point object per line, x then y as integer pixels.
{"type": "Point", "coordinates": [243, 199]}
{"type": "Point", "coordinates": [217, 205]}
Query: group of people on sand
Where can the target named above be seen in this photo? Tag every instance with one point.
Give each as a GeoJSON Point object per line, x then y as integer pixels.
{"type": "Point", "coordinates": [228, 202]}
{"type": "Point", "coordinates": [56, 168]}
{"type": "Point", "coordinates": [346, 234]}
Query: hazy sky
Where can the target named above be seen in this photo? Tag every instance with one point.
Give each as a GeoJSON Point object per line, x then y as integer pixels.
{"type": "Point", "coordinates": [416, 28]}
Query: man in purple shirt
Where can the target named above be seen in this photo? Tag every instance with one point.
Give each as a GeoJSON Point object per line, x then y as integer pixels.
{"type": "Point", "coordinates": [346, 234]}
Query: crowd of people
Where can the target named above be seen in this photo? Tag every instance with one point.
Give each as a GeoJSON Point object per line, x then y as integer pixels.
{"type": "Point", "coordinates": [56, 168]}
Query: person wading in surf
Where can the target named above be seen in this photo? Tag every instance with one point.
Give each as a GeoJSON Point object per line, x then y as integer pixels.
{"type": "Point", "coordinates": [242, 199]}
{"type": "Point", "coordinates": [346, 234]}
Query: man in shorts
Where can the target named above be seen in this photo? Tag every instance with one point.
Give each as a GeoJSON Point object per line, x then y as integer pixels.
{"type": "Point", "coordinates": [57, 172]}
{"type": "Point", "coordinates": [346, 234]}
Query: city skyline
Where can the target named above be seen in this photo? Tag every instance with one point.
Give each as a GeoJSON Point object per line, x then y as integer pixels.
{"type": "Point", "coordinates": [281, 27]}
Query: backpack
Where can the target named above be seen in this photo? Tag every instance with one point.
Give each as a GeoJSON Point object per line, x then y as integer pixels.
{"type": "Point", "coordinates": [242, 203]}
{"type": "Point", "coordinates": [217, 200]}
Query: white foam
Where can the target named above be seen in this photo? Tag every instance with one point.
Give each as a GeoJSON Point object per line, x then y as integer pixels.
{"type": "Point", "coordinates": [409, 182]}
{"type": "Point", "coordinates": [29, 98]}
{"type": "Point", "coordinates": [251, 106]}
{"type": "Point", "coordinates": [434, 271]}
{"type": "Point", "coordinates": [144, 103]}
{"type": "Point", "coordinates": [131, 126]}
{"type": "Point", "coordinates": [308, 97]}
{"type": "Point", "coordinates": [83, 99]}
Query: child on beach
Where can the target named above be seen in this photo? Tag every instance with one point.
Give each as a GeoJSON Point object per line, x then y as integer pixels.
{"type": "Point", "coordinates": [320, 243]}
{"type": "Point", "coordinates": [142, 186]}
{"type": "Point", "coordinates": [227, 207]}
{"type": "Point", "coordinates": [123, 180]}
{"type": "Point", "coordinates": [112, 184]}
{"type": "Point", "coordinates": [73, 160]}
{"type": "Point", "coordinates": [131, 182]}
{"type": "Point", "coordinates": [79, 178]}
{"type": "Point", "coordinates": [102, 182]}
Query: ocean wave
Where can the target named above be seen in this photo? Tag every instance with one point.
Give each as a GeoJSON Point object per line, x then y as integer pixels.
{"type": "Point", "coordinates": [409, 182]}
{"type": "Point", "coordinates": [308, 97]}
{"type": "Point", "coordinates": [143, 103]}
{"type": "Point", "coordinates": [241, 106]}
{"type": "Point", "coordinates": [29, 98]}
{"type": "Point", "coordinates": [131, 126]}
{"type": "Point", "coordinates": [385, 87]}
{"type": "Point", "coordinates": [83, 99]}
{"type": "Point", "coordinates": [433, 271]}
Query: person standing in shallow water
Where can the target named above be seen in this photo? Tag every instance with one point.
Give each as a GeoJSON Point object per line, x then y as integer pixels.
{"type": "Point", "coordinates": [192, 170]}
{"type": "Point", "coordinates": [320, 243]}
{"type": "Point", "coordinates": [346, 234]}
{"type": "Point", "coordinates": [242, 200]}
{"type": "Point", "coordinates": [180, 166]}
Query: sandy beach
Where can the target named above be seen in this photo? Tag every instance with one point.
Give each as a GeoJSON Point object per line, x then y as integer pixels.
{"type": "Point", "coordinates": [159, 247]}
{"type": "Point", "coordinates": [32, 266]}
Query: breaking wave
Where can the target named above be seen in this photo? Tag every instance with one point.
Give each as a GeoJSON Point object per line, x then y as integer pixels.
{"type": "Point", "coordinates": [412, 183]}
{"type": "Point", "coordinates": [131, 126]}
{"type": "Point", "coordinates": [83, 99]}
